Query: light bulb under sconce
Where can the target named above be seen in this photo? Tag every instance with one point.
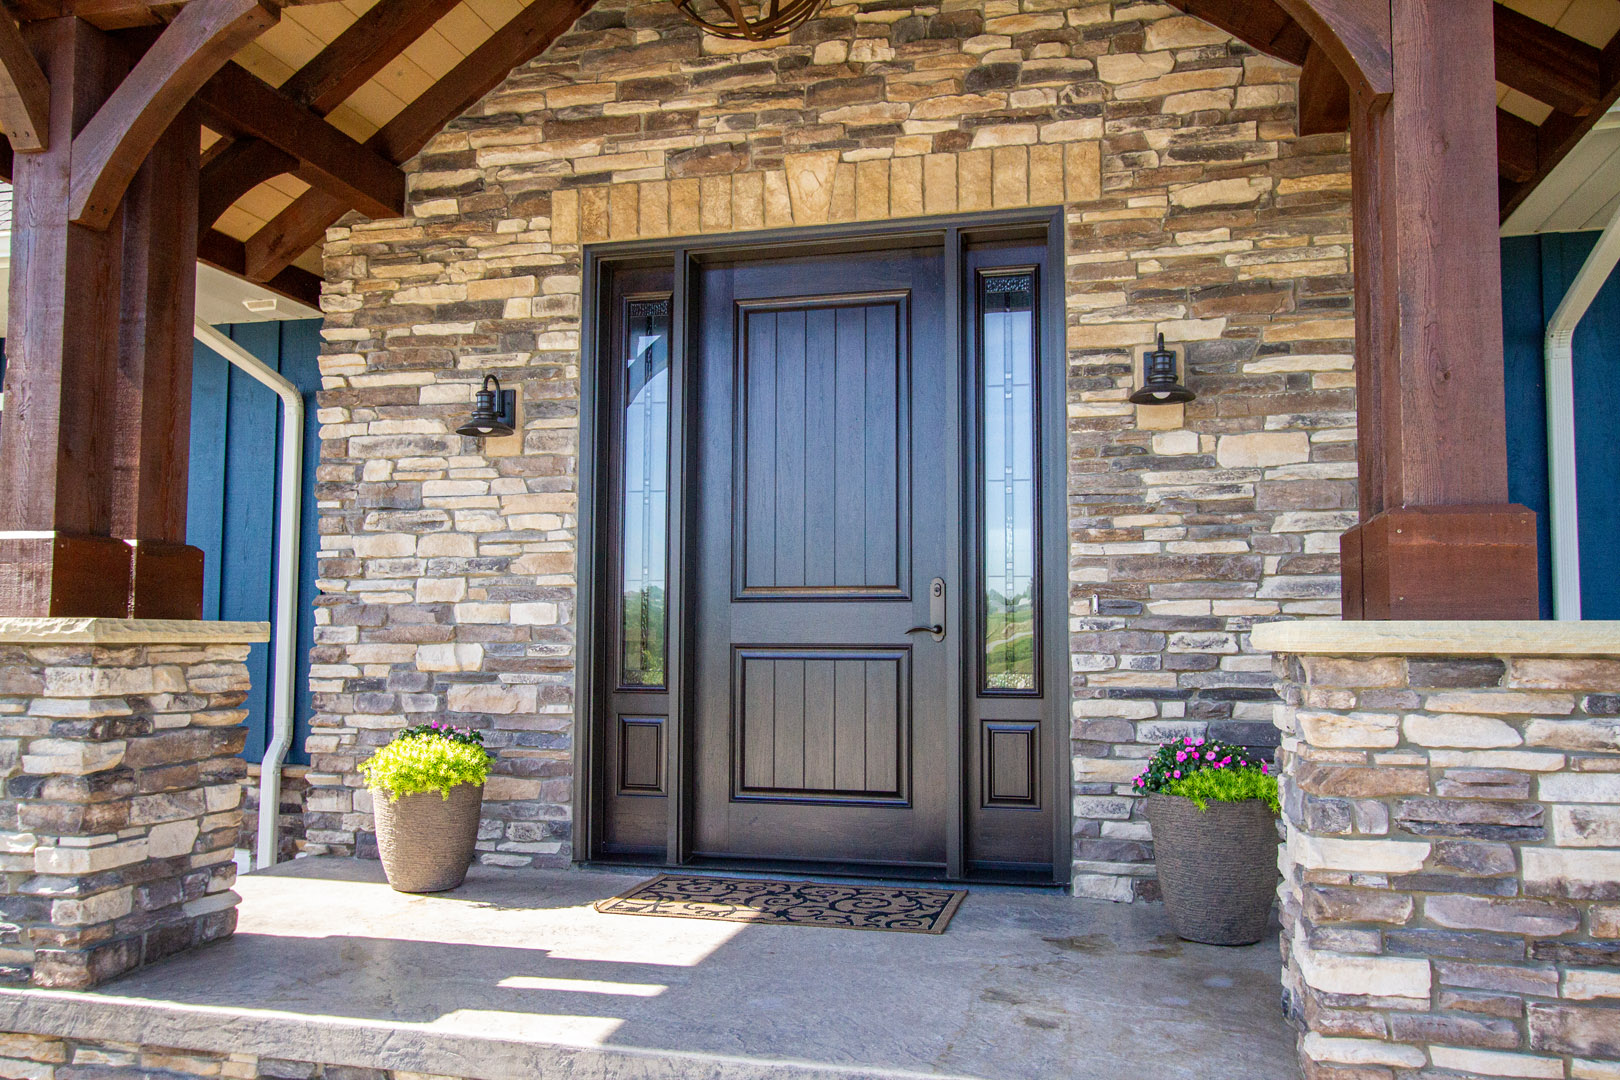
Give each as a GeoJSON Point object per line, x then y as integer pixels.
{"type": "Point", "coordinates": [494, 412]}
{"type": "Point", "coordinates": [1159, 385]}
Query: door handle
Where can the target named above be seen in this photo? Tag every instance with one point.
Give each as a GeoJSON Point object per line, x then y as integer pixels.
{"type": "Point", "coordinates": [936, 611]}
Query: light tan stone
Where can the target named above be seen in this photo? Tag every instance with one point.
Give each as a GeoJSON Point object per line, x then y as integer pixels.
{"type": "Point", "coordinates": [565, 216]}
{"type": "Point", "coordinates": [683, 208]}
{"type": "Point", "coordinates": [872, 189]}
{"type": "Point", "coordinates": [1239, 191]}
{"type": "Point", "coordinates": [1010, 166]}
{"type": "Point", "coordinates": [1371, 856]}
{"type": "Point", "coordinates": [1349, 729]}
{"type": "Point", "coordinates": [654, 210]}
{"type": "Point", "coordinates": [593, 214]}
{"type": "Point", "coordinates": [1339, 672]}
{"type": "Point", "coordinates": [714, 204]}
{"type": "Point", "coordinates": [842, 205]}
{"type": "Point", "coordinates": [624, 211]}
{"type": "Point", "coordinates": [1133, 67]}
{"type": "Point", "coordinates": [973, 180]}
{"type": "Point", "coordinates": [1263, 449]}
{"type": "Point", "coordinates": [1082, 167]}
{"type": "Point", "coordinates": [497, 698]}
{"type": "Point", "coordinates": [1565, 674]}
{"type": "Point", "coordinates": [810, 184]}
{"type": "Point", "coordinates": [1374, 976]}
{"type": "Point", "coordinates": [906, 187]}
{"type": "Point", "coordinates": [1496, 1063]}
{"type": "Point", "coordinates": [778, 201]}
{"type": "Point", "coordinates": [748, 201]}
{"type": "Point", "coordinates": [1182, 32]}
{"type": "Point", "coordinates": [1459, 730]}
{"type": "Point", "coordinates": [939, 183]}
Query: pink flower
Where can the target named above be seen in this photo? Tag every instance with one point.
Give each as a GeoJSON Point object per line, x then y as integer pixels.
{"type": "Point", "coordinates": [1210, 756]}
{"type": "Point", "coordinates": [1181, 755]}
{"type": "Point", "coordinates": [1263, 767]}
{"type": "Point", "coordinates": [1187, 741]}
{"type": "Point", "coordinates": [1176, 774]}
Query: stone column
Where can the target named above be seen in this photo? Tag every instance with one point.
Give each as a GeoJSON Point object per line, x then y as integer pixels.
{"type": "Point", "coordinates": [118, 744]}
{"type": "Point", "coordinates": [1451, 890]}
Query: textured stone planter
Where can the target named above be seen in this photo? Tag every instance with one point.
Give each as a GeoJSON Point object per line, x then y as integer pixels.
{"type": "Point", "coordinates": [426, 841]}
{"type": "Point", "coordinates": [1217, 867]}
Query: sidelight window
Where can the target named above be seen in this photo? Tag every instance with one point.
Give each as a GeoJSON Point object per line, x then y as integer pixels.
{"type": "Point", "coordinates": [644, 475]}
{"type": "Point", "coordinates": [1008, 481]}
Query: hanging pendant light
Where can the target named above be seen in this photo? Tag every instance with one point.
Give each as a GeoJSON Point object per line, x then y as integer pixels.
{"type": "Point", "coordinates": [1159, 386]}
{"type": "Point", "coordinates": [494, 412]}
{"type": "Point", "coordinates": [757, 21]}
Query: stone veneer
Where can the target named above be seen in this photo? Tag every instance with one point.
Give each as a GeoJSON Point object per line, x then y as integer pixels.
{"type": "Point", "coordinates": [118, 744]}
{"type": "Point", "coordinates": [44, 1057]}
{"type": "Point", "coordinates": [1191, 209]}
{"type": "Point", "coordinates": [1451, 890]}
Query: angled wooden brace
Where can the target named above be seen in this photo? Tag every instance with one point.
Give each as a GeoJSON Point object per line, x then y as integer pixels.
{"type": "Point", "coordinates": [25, 93]}
{"type": "Point", "coordinates": [112, 146]}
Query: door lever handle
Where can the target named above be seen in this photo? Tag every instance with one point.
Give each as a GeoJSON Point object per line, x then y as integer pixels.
{"type": "Point", "coordinates": [936, 611]}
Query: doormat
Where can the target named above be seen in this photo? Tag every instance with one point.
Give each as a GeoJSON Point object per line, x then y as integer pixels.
{"type": "Point", "coordinates": [790, 903]}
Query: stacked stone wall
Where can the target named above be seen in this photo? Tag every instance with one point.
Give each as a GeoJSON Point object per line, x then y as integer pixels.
{"type": "Point", "coordinates": [121, 805]}
{"type": "Point", "coordinates": [290, 837]}
{"type": "Point", "coordinates": [1190, 209]}
{"type": "Point", "coordinates": [1451, 893]}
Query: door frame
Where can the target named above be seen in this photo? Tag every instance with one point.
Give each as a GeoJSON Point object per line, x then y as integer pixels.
{"type": "Point", "coordinates": [953, 234]}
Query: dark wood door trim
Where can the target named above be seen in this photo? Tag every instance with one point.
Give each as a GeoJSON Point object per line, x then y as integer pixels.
{"type": "Point", "coordinates": [685, 256]}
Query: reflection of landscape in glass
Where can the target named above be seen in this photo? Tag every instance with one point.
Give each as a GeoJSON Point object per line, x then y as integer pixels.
{"type": "Point", "coordinates": [646, 492]}
{"type": "Point", "coordinates": [1008, 337]}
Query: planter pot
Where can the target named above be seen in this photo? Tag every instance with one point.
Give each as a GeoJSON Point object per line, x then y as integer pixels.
{"type": "Point", "coordinates": [426, 841]}
{"type": "Point", "coordinates": [1217, 867]}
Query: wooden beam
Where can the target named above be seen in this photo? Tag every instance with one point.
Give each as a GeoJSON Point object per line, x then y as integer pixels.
{"type": "Point", "coordinates": [1547, 64]}
{"type": "Point", "coordinates": [111, 14]}
{"type": "Point", "coordinates": [25, 95]}
{"type": "Point", "coordinates": [112, 146]}
{"type": "Point", "coordinates": [363, 50]}
{"type": "Point", "coordinates": [1560, 132]}
{"type": "Point", "coordinates": [1517, 153]}
{"type": "Point", "coordinates": [236, 170]}
{"type": "Point", "coordinates": [525, 35]}
{"type": "Point", "coordinates": [1324, 96]}
{"type": "Point", "coordinates": [1260, 24]}
{"type": "Point", "coordinates": [1437, 536]}
{"type": "Point", "coordinates": [1355, 34]}
{"type": "Point", "coordinates": [242, 105]}
{"type": "Point", "coordinates": [226, 254]}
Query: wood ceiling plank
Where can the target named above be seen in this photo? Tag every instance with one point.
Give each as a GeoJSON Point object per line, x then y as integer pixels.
{"type": "Point", "coordinates": [240, 104]}
{"type": "Point", "coordinates": [303, 223]}
{"type": "Point", "coordinates": [25, 93]}
{"type": "Point", "coordinates": [235, 171]}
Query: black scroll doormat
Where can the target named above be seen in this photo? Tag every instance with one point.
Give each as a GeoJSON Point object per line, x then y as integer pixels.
{"type": "Point", "coordinates": [792, 903]}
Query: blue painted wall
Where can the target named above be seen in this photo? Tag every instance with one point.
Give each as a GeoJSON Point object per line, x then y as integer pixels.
{"type": "Point", "coordinates": [1536, 271]}
{"type": "Point", "coordinates": [232, 507]}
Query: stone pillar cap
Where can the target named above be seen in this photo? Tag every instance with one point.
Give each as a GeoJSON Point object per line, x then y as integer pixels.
{"type": "Point", "coordinates": [90, 631]}
{"type": "Point", "coordinates": [1331, 637]}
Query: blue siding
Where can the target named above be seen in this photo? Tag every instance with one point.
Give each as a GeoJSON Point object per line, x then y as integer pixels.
{"type": "Point", "coordinates": [233, 506]}
{"type": "Point", "coordinates": [1536, 271]}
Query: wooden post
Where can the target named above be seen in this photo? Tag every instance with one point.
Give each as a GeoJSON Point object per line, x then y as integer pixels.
{"type": "Point", "coordinates": [1438, 538]}
{"type": "Point", "coordinates": [93, 448]}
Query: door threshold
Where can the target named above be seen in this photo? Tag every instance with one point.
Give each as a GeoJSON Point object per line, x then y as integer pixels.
{"type": "Point", "coordinates": [833, 873]}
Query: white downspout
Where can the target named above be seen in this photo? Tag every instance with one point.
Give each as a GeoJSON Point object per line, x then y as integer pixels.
{"type": "Point", "coordinates": [286, 636]}
{"type": "Point", "coordinates": [1560, 379]}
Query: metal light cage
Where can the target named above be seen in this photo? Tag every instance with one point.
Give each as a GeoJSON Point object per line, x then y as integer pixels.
{"type": "Point", "coordinates": [732, 19]}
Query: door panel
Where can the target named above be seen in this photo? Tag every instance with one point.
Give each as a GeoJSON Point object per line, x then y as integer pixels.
{"type": "Point", "coordinates": [828, 450]}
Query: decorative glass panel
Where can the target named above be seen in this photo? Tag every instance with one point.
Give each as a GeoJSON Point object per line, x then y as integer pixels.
{"type": "Point", "coordinates": [645, 483]}
{"type": "Point", "coordinates": [1007, 336]}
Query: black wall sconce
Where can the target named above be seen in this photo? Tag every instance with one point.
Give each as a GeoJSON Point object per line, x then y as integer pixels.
{"type": "Point", "coordinates": [1159, 385]}
{"type": "Point", "coordinates": [494, 412]}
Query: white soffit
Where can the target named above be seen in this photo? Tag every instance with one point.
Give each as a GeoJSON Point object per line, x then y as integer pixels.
{"type": "Point", "coordinates": [1582, 191]}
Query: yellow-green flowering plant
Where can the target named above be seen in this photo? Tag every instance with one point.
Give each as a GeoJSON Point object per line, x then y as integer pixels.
{"type": "Point", "coordinates": [427, 757]}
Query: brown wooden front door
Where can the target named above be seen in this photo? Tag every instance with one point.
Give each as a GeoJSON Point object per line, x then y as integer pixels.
{"type": "Point", "coordinates": [828, 502]}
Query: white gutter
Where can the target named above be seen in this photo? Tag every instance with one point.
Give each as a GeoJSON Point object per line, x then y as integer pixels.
{"type": "Point", "coordinates": [286, 632]}
{"type": "Point", "coordinates": [1560, 378]}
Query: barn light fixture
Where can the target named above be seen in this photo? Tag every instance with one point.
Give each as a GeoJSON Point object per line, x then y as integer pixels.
{"type": "Point", "coordinates": [1159, 385]}
{"type": "Point", "coordinates": [494, 412]}
{"type": "Point", "coordinates": [756, 21]}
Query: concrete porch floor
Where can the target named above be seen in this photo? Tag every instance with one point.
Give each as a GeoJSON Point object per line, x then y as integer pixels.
{"type": "Point", "coordinates": [514, 975]}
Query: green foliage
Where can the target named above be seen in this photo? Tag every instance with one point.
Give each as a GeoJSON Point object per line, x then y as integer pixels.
{"type": "Point", "coordinates": [428, 757]}
{"type": "Point", "coordinates": [1204, 769]}
{"type": "Point", "coordinates": [1226, 785]}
